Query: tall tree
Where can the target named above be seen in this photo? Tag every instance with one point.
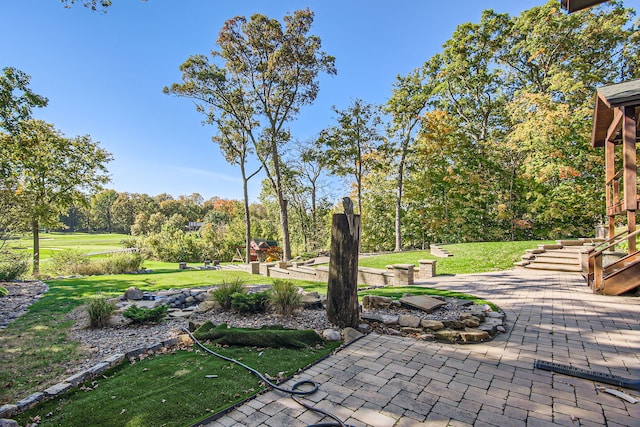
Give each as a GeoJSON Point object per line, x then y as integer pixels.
{"type": "Point", "coordinates": [410, 98]}
{"type": "Point", "coordinates": [351, 144]}
{"type": "Point", "coordinates": [267, 74]}
{"type": "Point", "coordinates": [102, 209]}
{"type": "Point", "coordinates": [54, 172]}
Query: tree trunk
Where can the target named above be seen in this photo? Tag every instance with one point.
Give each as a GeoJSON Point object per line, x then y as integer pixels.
{"type": "Point", "coordinates": [247, 215]}
{"type": "Point", "coordinates": [36, 247]}
{"type": "Point", "coordinates": [398, 222]}
{"type": "Point", "coordinates": [342, 290]}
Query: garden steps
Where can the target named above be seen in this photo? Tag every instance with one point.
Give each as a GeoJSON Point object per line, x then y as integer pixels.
{"type": "Point", "coordinates": [562, 256]}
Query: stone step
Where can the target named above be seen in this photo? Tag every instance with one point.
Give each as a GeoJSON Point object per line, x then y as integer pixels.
{"type": "Point", "coordinates": [558, 254]}
{"type": "Point", "coordinates": [554, 267]}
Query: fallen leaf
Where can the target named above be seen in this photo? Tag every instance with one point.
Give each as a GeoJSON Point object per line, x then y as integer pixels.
{"type": "Point", "coordinates": [123, 411]}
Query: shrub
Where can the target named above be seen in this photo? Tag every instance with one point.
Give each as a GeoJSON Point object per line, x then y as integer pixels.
{"type": "Point", "coordinates": [256, 302]}
{"type": "Point", "coordinates": [100, 309]}
{"type": "Point", "coordinates": [13, 265]}
{"type": "Point", "coordinates": [70, 261]}
{"type": "Point", "coordinates": [146, 315]}
{"type": "Point", "coordinates": [3, 292]}
{"type": "Point", "coordinates": [123, 262]}
{"type": "Point", "coordinates": [223, 293]}
{"type": "Point", "coordinates": [284, 297]}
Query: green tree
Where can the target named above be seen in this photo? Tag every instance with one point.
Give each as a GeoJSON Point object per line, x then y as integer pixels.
{"type": "Point", "coordinates": [350, 146]}
{"type": "Point", "coordinates": [16, 99]}
{"type": "Point", "coordinates": [410, 98]}
{"type": "Point", "coordinates": [267, 74]}
{"type": "Point", "coordinates": [54, 171]}
{"type": "Point", "coordinates": [102, 210]}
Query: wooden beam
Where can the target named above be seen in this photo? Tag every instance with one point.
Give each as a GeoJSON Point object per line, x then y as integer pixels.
{"type": "Point", "coordinates": [615, 125]}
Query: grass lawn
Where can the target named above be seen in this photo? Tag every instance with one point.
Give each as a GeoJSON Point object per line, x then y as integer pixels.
{"type": "Point", "coordinates": [176, 389]}
{"type": "Point", "coordinates": [467, 257]}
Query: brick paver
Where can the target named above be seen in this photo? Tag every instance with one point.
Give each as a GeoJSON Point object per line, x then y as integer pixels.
{"type": "Point", "coordinates": [393, 381]}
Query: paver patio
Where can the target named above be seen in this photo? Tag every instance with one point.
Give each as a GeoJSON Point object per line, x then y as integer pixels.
{"type": "Point", "coordinates": [383, 380]}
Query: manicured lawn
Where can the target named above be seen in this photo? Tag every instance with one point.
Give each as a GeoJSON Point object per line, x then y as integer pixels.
{"type": "Point", "coordinates": [467, 257]}
{"type": "Point", "coordinates": [175, 389]}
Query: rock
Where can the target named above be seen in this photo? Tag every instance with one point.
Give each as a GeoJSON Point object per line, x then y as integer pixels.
{"type": "Point", "coordinates": [434, 325]}
{"type": "Point", "coordinates": [447, 335]}
{"type": "Point", "coordinates": [364, 328]}
{"type": "Point", "coordinates": [423, 302]}
{"type": "Point", "coordinates": [57, 389]}
{"type": "Point", "coordinates": [134, 293]}
{"type": "Point", "coordinates": [453, 324]}
{"type": "Point", "coordinates": [8, 410]}
{"type": "Point", "coordinates": [394, 332]}
{"type": "Point", "coordinates": [390, 319]}
{"type": "Point", "coordinates": [311, 301]}
{"type": "Point", "coordinates": [411, 331]}
{"type": "Point", "coordinates": [409, 321]}
{"type": "Point", "coordinates": [331, 335]}
{"type": "Point", "coordinates": [205, 306]}
{"type": "Point", "coordinates": [472, 322]}
{"type": "Point", "coordinates": [350, 334]}
{"type": "Point", "coordinates": [426, 337]}
{"type": "Point", "coordinates": [189, 300]}
{"type": "Point", "coordinates": [495, 315]}
{"type": "Point", "coordinates": [183, 314]}
{"type": "Point", "coordinates": [501, 329]}
{"type": "Point", "coordinates": [474, 335]}
{"type": "Point", "coordinates": [8, 423]}
{"type": "Point", "coordinates": [374, 301]}
{"type": "Point", "coordinates": [30, 401]}
{"type": "Point", "coordinates": [459, 303]}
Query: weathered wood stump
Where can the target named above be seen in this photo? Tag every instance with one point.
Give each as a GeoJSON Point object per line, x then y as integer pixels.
{"type": "Point", "coordinates": [342, 290]}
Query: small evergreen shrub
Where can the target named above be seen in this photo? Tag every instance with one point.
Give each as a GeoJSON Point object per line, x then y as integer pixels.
{"type": "Point", "coordinates": [13, 265]}
{"type": "Point", "coordinates": [253, 303]}
{"type": "Point", "coordinates": [3, 292]}
{"type": "Point", "coordinates": [146, 315]}
{"type": "Point", "coordinates": [284, 297]}
{"type": "Point", "coordinates": [222, 294]}
{"type": "Point", "coordinates": [100, 310]}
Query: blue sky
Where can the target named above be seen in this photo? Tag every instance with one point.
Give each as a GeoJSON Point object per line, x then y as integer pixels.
{"type": "Point", "coordinates": [104, 73]}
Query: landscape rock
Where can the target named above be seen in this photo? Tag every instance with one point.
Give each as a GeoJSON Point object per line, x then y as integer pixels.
{"type": "Point", "coordinates": [447, 335]}
{"type": "Point", "coordinates": [471, 322]}
{"type": "Point", "coordinates": [8, 423]}
{"type": "Point", "coordinates": [411, 331]}
{"type": "Point", "coordinates": [434, 325]}
{"type": "Point", "coordinates": [409, 321]}
{"type": "Point", "coordinates": [453, 324]}
{"type": "Point", "coordinates": [331, 335]}
{"type": "Point", "coordinates": [495, 315]}
{"type": "Point", "coordinates": [350, 334]}
{"type": "Point", "coordinates": [374, 301]}
{"type": "Point", "coordinates": [474, 335]}
{"type": "Point", "coordinates": [8, 410]}
{"type": "Point", "coordinates": [134, 294]}
{"type": "Point", "coordinates": [423, 302]}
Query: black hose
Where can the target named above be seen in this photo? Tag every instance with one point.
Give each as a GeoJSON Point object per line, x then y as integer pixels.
{"type": "Point", "coordinates": [293, 391]}
{"type": "Point", "coordinates": [602, 377]}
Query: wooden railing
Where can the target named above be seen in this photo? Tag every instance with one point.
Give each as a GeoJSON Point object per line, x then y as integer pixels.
{"type": "Point", "coordinates": [596, 264]}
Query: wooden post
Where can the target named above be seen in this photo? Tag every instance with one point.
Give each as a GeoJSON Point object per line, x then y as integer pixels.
{"type": "Point", "coordinates": [342, 289]}
{"type": "Point", "coordinates": [630, 172]}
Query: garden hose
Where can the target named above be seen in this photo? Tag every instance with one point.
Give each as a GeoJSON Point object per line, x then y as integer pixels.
{"type": "Point", "coordinates": [602, 377]}
{"type": "Point", "coordinates": [294, 391]}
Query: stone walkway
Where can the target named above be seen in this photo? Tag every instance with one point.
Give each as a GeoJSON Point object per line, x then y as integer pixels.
{"type": "Point", "coordinates": [392, 381]}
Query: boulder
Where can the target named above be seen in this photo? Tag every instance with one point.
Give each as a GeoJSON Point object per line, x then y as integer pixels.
{"type": "Point", "coordinates": [134, 293]}
{"type": "Point", "coordinates": [434, 325]}
{"type": "Point", "coordinates": [331, 335]}
{"type": "Point", "coordinates": [374, 301]}
{"type": "Point", "coordinates": [350, 334]}
{"type": "Point", "coordinates": [409, 321]}
{"type": "Point", "coordinates": [474, 335]}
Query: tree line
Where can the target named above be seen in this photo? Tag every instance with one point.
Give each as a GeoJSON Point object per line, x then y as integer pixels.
{"type": "Point", "coordinates": [487, 140]}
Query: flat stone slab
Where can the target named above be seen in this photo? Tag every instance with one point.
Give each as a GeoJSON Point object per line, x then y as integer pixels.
{"type": "Point", "coordinates": [423, 302]}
